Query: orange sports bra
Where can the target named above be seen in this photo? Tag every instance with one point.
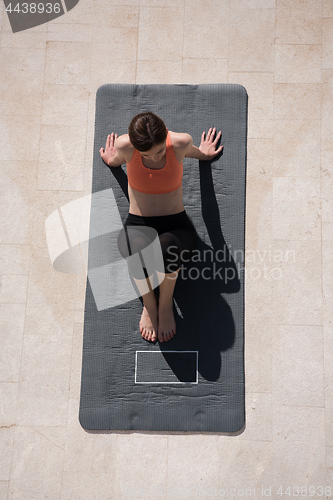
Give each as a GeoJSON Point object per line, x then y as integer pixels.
{"type": "Point", "coordinates": [155, 181]}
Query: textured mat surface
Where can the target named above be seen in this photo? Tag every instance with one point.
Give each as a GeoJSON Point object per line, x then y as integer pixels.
{"type": "Point", "coordinates": [194, 382]}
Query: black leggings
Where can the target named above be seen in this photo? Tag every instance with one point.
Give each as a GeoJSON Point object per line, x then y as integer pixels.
{"type": "Point", "coordinates": [156, 242]}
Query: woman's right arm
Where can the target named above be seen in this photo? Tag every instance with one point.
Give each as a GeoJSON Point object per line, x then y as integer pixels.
{"type": "Point", "coordinates": [111, 156]}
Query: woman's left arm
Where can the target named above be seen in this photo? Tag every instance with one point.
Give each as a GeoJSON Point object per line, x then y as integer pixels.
{"type": "Point", "coordinates": [206, 151]}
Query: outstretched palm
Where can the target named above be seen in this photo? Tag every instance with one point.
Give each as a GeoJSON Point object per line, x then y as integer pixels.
{"type": "Point", "coordinates": [110, 149]}
{"type": "Point", "coordinates": [208, 145]}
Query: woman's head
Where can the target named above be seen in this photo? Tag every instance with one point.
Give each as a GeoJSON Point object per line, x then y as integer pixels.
{"type": "Point", "coordinates": [147, 131]}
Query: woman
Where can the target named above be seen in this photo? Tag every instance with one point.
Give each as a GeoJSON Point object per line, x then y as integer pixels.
{"type": "Point", "coordinates": [154, 158]}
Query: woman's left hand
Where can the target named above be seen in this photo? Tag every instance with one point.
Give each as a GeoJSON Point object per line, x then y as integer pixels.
{"type": "Point", "coordinates": [208, 145]}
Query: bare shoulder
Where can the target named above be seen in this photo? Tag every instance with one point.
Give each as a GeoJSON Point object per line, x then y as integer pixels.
{"type": "Point", "coordinates": [181, 141]}
{"type": "Point", "coordinates": [122, 142]}
{"type": "Point", "coordinates": [124, 147]}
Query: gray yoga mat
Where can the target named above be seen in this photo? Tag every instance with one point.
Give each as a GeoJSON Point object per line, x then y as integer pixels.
{"type": "Point", "coordinates": [194, 382]}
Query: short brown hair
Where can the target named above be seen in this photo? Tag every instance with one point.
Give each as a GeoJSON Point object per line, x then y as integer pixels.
{"type": "Point", "coordinates": [147, 130]}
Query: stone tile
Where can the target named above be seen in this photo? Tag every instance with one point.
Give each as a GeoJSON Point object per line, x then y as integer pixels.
{"type": "Point", "coordinates": [327, 51]}
{"type": "Point", "coordinates": [14, 259]}
{"type": "Point", "coordinates": [296, 147]}
{"type": "Point", "coordinates": [328, 370]}
{"type": "Point", "coordinates": [160, 36]}
{"type": "Point", "coordinates": [46, 203]}
{"type": "Point", "coordinates": [199, 40]}
{"type": "Point", "coordinates": [197, 71]}
{"type": "Point", "coordinates": [259, 159]}
{"type": "Point", "coordinates": [328, 344]}
{"type": "Point", "coordinates": [82, 13]}
{"type": "Point", "coordinates": [327, 111]}
{"type": "Point", "coordinates": [88, 451]}
{"type": "Point", "coordinates": [51, 294]}
{"type": "Point", "coordinates": [251, 40]}
{"type": "Point", "coordinates": [297, 101]}
{"type": "Point", "coordinates": [258, 214]}
{"type": "Point", "coordinates": [114, 16]}
{"type": "Point", "coordinates": [76, 363]}
{"type": "Point", "coordinates": [4, 485]}
{"type": "Point", "coordinates": [299, 446]}
{"type": "Point", "coordinates": [8, 398]}
{"type": "Point", "coordinates": [192, 460]}
{"type": "Point", "coordinates": [50, 302]}
{"type": "Point", "coordinates": [28, 39]}
{"type": "Point", "coordinates": [137, 452]}
{"type": "Point", "coordinates": [329, 462]}
{"type": "Point", "coordinates": [62, 170]}
{"type": "Point", "coordinates": [252, 4]}
{"type": "Point", "coordinates": [245, 465]}
{"type": "Point", "coordinates": [103, 67]}
{"type": "Point", "coordinates": [65, 104]}
{"type": "Point", "coordinates": [58, 32]}
{"type": "Point", "coordinates": [329, 418]}
{"type": "Point", "coordinates": [13, 289]}
{"type": "Point", "coordinates": [80, 295]}
{"type": "Point", "coordinates": [24, 93]}
{"type": "Point", "coordinates": [259, 87]}
{"type": "Point", "coordinates": [2, 11]}
{"type": "Point", "coordinates": [158, 72]}
{"type": "Point", "coordinates": [327, 242]}
{"type": "Point", "coordinates": [11, 337]}
{"type": "Point", "coordinates": [298, 374]}
{"type": "Point", "coordinates": [79, 485]}
{"type": "Point", "coordinates": [67, 63]}
{"type": "Point", "coordinates": [296, 208]}
{"type": "Point", "coordinates": [44, 380]}
{"type": "Point", "coordinates": [6, 444]}
{"type": "Point", "coordinates": [258, 361]}
{"type": "Point", "coordinates": [298, 21]}
{"type": "Point", "coordinates": [79, 316]}
{"type": "Point", "coordinates": [327, 186]}
{"type": "Point", "coordinates": [22, 73]}
{"type": "Point", "coordinates": [29, 128]}
{"type": "Point", "coordinates": [327, 8]}
{"type": "Point", "coordinates": [157, 3]}
{"type": "Point", "coordinates": [124, 42]}
{"type": "Point", "coordinates": [297, 64]}
{"type": "Point", "coordinates": [18, 181]}
{"type": "Point", "coordinates": [90, 138]}
{"type": "Point", "coordinates": [258, 278]}
{"type": "Point", "coordinates": [258, 417]}
{"type": "Point", "coordinates": [38, 455]}
{"type": "Point", "coordinates": [297, 289]}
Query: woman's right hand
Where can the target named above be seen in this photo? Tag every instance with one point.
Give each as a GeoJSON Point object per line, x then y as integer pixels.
{"type": "Point", "coordinates": [110, 150]}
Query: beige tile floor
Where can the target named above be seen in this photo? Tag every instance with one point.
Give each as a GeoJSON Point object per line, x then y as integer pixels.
{"type": "Point", "coordinates": [282, 52]}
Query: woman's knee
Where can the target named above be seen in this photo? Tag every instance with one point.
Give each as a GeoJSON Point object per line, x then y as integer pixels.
{"type": "Point", "coordinates": [133, 240]}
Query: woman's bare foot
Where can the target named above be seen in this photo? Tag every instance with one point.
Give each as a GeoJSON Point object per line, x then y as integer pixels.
{"type": "Point", "coordinates": [149, 322]}
{"type": "Point", "coordinates": [166, 323]}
